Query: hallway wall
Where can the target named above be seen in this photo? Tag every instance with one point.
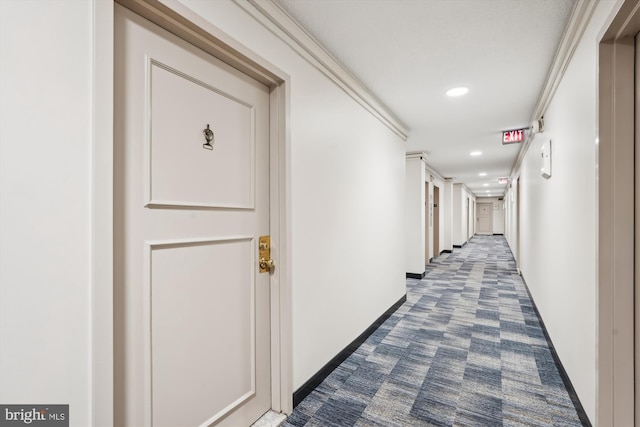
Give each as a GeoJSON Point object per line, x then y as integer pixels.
{"type": "Point", "coordinates": [414, 211]}
{"type": "Point", "coordinates": [346, 203]}
{"type": "Point", "coordinates": [419, 221]}
{"type": "Point", "coordinates": [45, 204]}
{"type": "Point", "coordinates": [498, 217]}
{"type": "Point", "coordinates": [446, 218]}
{"type": "Point", "coordinates": [558, 217]}
{"type": "Point", "coordinates": [463, 214]}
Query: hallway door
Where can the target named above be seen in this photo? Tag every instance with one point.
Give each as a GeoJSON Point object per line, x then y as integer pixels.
{"type": "Point", "coordinates": [618, 159]}
{"type": "Point", "coordinates": [191, 190]}
{"type": "Point", "coordinates": [484, 219]}
{"type": "Point", "coordinates": [518, 224]}
{"type": "Point", "coordinates": [427, 223]}
{"type": "Point", "coordinates": [466, 217]}
{"type": "Point", "coordinates": [436, 221]}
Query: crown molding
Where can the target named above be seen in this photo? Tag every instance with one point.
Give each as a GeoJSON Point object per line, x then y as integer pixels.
{"type": "Point", "coordinates": [280, 23]}
{"type": "Point", "coordinates": [580, 16]}
{"type": "Point", "coordinates": [417, 155]}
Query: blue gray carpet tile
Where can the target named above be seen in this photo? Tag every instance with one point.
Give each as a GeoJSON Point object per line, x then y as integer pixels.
{"type": "Point", "coordinates": [466, 349]}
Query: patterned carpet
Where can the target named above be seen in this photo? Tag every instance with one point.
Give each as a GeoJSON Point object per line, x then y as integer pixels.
{"type": "Point", "coordinates": [466, 349]}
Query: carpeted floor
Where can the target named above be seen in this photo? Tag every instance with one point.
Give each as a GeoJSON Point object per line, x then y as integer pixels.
{"type": "Point", "coordinates": [466, 349]}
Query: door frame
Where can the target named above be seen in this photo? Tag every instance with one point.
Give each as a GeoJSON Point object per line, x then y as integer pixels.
{"type": "Point", "coordinates": [183, 22]}
{"type": "Point", "coordinates": [615, 217]}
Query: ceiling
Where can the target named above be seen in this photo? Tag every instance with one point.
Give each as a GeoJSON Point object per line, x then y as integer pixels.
{"type": "Point", "coordinates": [408, 53]}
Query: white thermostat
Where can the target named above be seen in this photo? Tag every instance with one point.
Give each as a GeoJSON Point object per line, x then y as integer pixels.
{"type": "Point", "coordinates": [546, 160]}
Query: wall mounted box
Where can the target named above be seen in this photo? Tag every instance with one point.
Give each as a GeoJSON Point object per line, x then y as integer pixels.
{"type": "Point", "coordinates": [545, 170]}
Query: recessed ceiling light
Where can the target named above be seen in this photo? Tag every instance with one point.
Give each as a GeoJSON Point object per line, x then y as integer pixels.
{"type": "Point", "coordinates": [485, 185]}
{"type": "Point", "coordinates": [457, 91]}
{"type": "Point", "coordinates": [482, 174]}
{"type": "Point", "coordinates": [487, 191]}
{"type": "Point", "coordinates": [476, 153]}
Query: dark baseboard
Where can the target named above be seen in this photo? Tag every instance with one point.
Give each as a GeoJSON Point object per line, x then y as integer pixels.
{"type": "Point", "coordinates": [418, 276]}
{"type": "Point", "coordinates": [584, 419]}
{"type": "Point", "coordinates": [430, 260]}
{"type": "Point", "coordinates": [498, 234]}
{"type": "Point", "coordinates": [323, 373]}
{"type": "Point", "coordinates": [445, 251]}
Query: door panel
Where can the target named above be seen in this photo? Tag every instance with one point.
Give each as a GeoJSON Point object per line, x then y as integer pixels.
{"type": "Point", "coordinates": [192, 317]}
{"type": "Point", "coordinates": [181, 108]}
{"type": "Point", "coordinates": [192, 284]}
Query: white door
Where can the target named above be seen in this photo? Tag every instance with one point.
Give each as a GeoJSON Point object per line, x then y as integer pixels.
{"type": "Point", "coordinates": [192, 311]}
{"type": "Point", "coordinates": [427, 216]}
{"type": "Point", "coordinates": [484, 219]}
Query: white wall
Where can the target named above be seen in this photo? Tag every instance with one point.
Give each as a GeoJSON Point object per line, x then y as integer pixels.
{"type": "Point", "coordinates": [472, 216]}
{"type": "Point", "coordinates": [458, 216]}
{"type": "Point", "coordinates": [447, 215]}
{"type": "Point", "coordinates": [419, 222]}
{"type": "Point", "coordinates": [558, 217]}
{"type": "Point", "coordinates": [463, 214]}
{"type": "Point", "coordinates": [511, 214]}
{"type": "Point", "coordinates": [45, 204]}
{"type": "Point", "coordinates": [498, 217]}
{"type": "Point", "coordinates": [414, 214]}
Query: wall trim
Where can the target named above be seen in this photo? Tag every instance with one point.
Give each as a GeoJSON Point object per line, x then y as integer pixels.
{"type": "Point", "coordinates": [280, 23]}
{"type": "Point", "coordinates": [578, 21]}
{"type": "Point", "coordinates": [418, 276]}
{"type": "Point", "coordinates": [417, 155]}
{"type": "Point", "coordinates": [101, 292]}
{"type": "Point", "coordinates": [326, 370]}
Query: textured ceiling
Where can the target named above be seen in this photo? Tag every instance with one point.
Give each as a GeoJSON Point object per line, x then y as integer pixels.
{"type": "Point", "coordinates": [409, 52]}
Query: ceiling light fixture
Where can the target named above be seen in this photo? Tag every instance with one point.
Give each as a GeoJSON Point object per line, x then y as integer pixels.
{"type": "Point", "coordinates": [476, 153]}
{"type": "Point", "coordinates": [482, 174]}
{"type": "Point", "coordinates": [485, 185]}
{"type": "Point", "coordinates": [457, 91]}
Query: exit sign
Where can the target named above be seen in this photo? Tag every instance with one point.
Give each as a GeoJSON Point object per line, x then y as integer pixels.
{"type": "Point", "coordinates": [513, 136]}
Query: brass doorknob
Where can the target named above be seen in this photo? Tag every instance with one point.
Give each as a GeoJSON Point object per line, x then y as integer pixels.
{"type": "Point", "coordinates": [267, 264]}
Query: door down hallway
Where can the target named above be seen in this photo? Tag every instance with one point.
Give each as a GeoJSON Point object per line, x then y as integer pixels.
{"type": "Point", "coordinates": [466, 349]}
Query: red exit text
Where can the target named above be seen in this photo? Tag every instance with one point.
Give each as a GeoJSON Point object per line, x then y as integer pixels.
{"type": "Point", "coordinates": [512, 136]}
